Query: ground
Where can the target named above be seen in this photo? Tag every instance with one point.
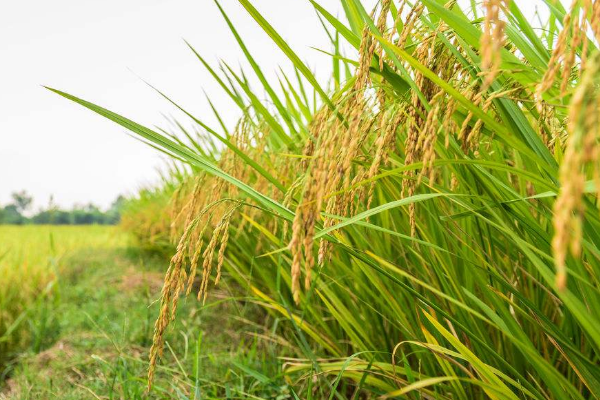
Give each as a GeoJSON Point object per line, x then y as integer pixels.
{"type": "Point", "coordinates": [92, 336]}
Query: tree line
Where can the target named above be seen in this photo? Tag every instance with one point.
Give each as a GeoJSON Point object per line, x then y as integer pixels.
{"type": "Point", "coordinates": [16, 213]}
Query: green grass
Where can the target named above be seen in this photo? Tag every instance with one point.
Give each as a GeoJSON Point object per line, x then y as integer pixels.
{"type": "Point", "coordinates": [98, 322]}
{"type": "Point", "coordinates": [440, 288]}
{"type": "Point", "coordinates": [31, 263]}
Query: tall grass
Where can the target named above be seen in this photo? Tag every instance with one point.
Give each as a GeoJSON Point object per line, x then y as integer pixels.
{"type": "Point", "coordinates": [426, 228]}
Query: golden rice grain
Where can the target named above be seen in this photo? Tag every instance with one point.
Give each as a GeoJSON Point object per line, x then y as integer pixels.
{"type": "Point", "coordinates": [583, 148]}
{"type": "Point", "coordinates": [492, 40]}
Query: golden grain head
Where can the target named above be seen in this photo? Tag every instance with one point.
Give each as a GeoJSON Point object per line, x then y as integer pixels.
{"type": "Point", "coordinates": [492, 40]}
{"type": "Point", "coordinates": [582, 149]}
{"type": "Point", "coordinates": [582, 18]}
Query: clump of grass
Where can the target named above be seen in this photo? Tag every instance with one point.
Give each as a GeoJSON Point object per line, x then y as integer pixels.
{"type": "Point", "coordinates": [429, 202]}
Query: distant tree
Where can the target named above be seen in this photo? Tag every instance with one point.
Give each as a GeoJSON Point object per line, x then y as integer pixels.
{"type": "Point", "coordinates": [11, 215]}
{"type": "Point", "coordinates": [61, 217]}
{"type": "Point", "coordinates": [113, 215]}
{"type": "Point", "coordinates": [88, 214]}
{"type": "Point", "coordinates": [22, 201]}
{"type": "Point", "coordinates": [13, 212]}
{"type": "Point", "coordinates": [43, 217]}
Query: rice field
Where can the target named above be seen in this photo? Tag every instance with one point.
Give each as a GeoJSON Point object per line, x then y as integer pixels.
{"type": "Point", "coordinates": [422, 225]}
{"type": "Point", "coordinates": [37, 244]}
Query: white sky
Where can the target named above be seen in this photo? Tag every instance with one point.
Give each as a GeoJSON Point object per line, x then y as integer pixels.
{"type": "Point", "coordinates": [96, 50]}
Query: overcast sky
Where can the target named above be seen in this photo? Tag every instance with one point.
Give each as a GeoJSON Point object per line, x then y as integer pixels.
{"type": "Point", "coordinates": [99, 50]}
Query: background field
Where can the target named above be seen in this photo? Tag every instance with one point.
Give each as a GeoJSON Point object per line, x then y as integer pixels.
{"type": "Point", "coordinates": [31, 263]}
{"type": "Point", "coordinates": [78, 306]}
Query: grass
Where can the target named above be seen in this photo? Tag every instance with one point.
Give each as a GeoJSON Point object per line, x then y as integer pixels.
{"type": "Point", "coordinates": [31, 265]}
{"type": "Point", "coordinates": [422, 225]}
{"type": "Point", "coordinates": [98, 329]}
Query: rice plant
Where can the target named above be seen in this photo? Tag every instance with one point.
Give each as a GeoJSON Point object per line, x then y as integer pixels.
{"type": "Point", "coordinates": [426, 222]}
